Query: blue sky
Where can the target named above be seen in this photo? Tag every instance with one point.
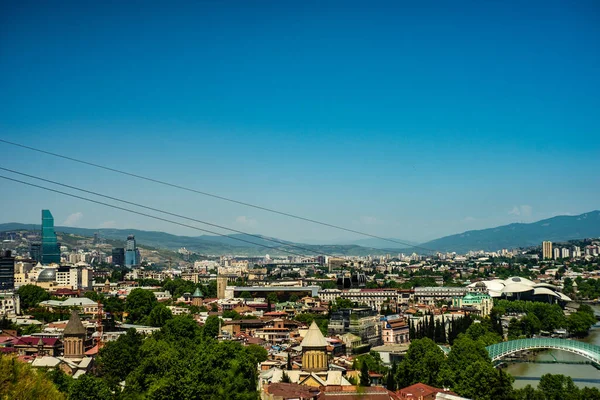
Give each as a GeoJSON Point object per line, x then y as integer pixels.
{"type": "Point", "coordinates": [404, 120]}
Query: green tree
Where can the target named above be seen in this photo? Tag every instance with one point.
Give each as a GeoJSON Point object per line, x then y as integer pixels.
{"type": "Point", "coordinates": [391, 378]}
{"type": "Point", "coordinates": [61, 380]}
{"type": "Point", "coordinates": [579, 323]}
{"type": "Point", "coordinates": [139, 304]}
{"type": "Point", "coordinates": [118, 358]}
{"type": "Point", "coordinates": [341, 303]}
{"type": "Point", "coordinates": [272, 297]}
{"type": "Point", "coordinates": [470, 373]}
{"type": "Point", "coordinates": [422, 363]}
{"type": "Point", "coordinates": [19, 381]}
{"type": "Point", "coordinates": [32, 295]}
{"type": "Point", "coordinates": [211, 327]}
{"type": "Point", "coordinates": [89, 387]}
{"type": "Point", "coordinates": [258, 352]}
{"type": "Point", "coordinates": [558, 387]}
{"type": "Point", "coordinates": [285, 378]}
{"type": "Point", "coordinates": [159, 315]}
{"type": "Point", "coordinates": [245, 295]}
{"type": "Point", "coordinates": [365, 379]}
{"type": "Point", "coordinates": [182, 329]}
{"type": "Point", "coordinates": [529, 393]}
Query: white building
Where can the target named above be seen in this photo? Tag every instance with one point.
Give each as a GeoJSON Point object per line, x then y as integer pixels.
{"type": "Point", "coordinates": [373, 298]}
{"type": "Point", "coordinates": [74, 278]}
{"type": "Point", "coordinates": [10, 304]}
{"type": "Point", "coordinates": [564, 252]}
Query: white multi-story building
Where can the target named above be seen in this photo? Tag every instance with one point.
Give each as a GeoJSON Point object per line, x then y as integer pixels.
{"type": "Point", "coordinates": [74, 277]}
{"type": "Point", "coordinates": [556, 253]}
{"type": "Point", "coordinates": [564, 252]}
{"type": "Point", "coordinates": [429, 295]}
{"type": "Point", "coordinates": [374, 298]}
{"type": "Point", "coordinates": [576, 251]}
{"type": "Point", "coordinates": [10, 304]}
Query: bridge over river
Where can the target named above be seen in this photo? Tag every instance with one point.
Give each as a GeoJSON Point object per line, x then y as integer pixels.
{"type": "Point", "coordinates": [503, 350]}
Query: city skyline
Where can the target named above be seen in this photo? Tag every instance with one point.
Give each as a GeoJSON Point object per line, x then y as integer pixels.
{"type": "Point", "coordinates": [400, 123]}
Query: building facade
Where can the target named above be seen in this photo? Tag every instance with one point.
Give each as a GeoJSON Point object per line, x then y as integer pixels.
{"type": "Point", "coordinates": [547, 250]}
{"type": "Point", "coordinates": [429, 295]}
{"type": "Point", "coordinates": [480, 301]}
{"type": "Point", "coordinates": [118, 256]}
{"type": "Point", "coordinates": [131, 253]}
{"type": "Point", "coordinates": [7, 272]}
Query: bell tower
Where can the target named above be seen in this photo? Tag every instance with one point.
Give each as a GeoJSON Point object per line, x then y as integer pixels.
{"type": "Point", "coordinates": [314, 350]}
{"type": "Point", "coordinates": [74, 337]}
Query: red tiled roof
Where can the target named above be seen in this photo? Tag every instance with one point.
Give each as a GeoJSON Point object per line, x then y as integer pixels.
{"type": "Point", "coordinates": [354, 393]}
{"type": "Point", "coordinates": [93, 351]}
{"type": "Point", "coordinates": [420, 390]}
{"type": "Point", "coordinates": [291, 390]}
{"type": "Point", "coordinates": [33, 341]}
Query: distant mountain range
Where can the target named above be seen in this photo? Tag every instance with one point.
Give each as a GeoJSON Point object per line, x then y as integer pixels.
{"type": "Point", "coordinates": [556, 229]}
{"type": "Point", "coordinates": [206, 244]}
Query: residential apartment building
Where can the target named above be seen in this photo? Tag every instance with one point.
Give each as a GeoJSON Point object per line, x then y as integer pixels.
{"type": "Point", "coordinates": [363, 322]}
{"type": "Point", "coordinates": [10, 304]}
{"type": "Point", "coordinates": [429, 295]}
{"type": "Point", "coordinates": [547, 250]}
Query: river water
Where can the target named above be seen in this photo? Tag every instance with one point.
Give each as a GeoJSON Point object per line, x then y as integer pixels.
{"type": "Point", "coordinates": [573, 370]}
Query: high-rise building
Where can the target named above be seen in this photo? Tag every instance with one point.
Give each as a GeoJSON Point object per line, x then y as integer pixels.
{"type": "Point", "coordinates": [35, 251]}
{"type": "Point", "coordinates": [576, 251]}
{"type": "Point", "coordinates": [131, 252]}
{"type": "Point", "coordinates": [564, 253]}
{"type": "Point", "coordinates": [7, 272]}
{"type": "Point", "coordinates": [547, 250]}
{"type": "Point", "coordinates": [118, 256]}
{"type": "Point", "coordinates": [50, 247]}
{"type": "Point", "coordinates": [556, 253]}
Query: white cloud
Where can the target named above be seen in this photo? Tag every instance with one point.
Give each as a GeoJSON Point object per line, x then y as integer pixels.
{"type": "Point", "coordinates": [73, 219]}
{"type": "Point", "coordinates": [246, 221]}
{"type": "Point", "coordinates": [522, 211]}
{"type": "Point", "coordinates": [368, 220]}
{"type": "Point", "coordinates": [108, 224]}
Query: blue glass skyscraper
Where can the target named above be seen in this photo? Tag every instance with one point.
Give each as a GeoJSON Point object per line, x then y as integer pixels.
{"type": "Point", "coordinates": [50, 250]}
{"type": "Point", "coordinates": [131, 252]}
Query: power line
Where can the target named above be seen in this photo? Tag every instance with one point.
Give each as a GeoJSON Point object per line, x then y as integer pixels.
{"type": "Point", "coordinates": [145, 215]}
{"type": "Point", "coordinates": [271, 210]}
{"type": "Point", "coordinates": [166, 212]}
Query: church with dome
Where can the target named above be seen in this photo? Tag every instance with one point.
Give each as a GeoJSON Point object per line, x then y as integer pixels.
{"type": "Point", "coordinates": [315, 370]}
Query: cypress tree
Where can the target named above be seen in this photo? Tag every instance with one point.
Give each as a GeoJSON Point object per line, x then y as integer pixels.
{"type": "Point", "coordinates": [443, 337]}
{"type": "Point", "coordinates": [365, 379]}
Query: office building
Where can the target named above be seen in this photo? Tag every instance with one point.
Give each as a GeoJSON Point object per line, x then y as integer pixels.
{"type": "Point", "coordinates": [35, 251]}
{"type": "Point", "coordinates": [50, 247]}
{"type": "Point", "coordinates": [7, 272]}
{"type": "Point", "coordinates": [118, 256]}
{"type": "Point", "coordinates": [131, 252]}
{"type": "Point", "coordinates": [547, 250]}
